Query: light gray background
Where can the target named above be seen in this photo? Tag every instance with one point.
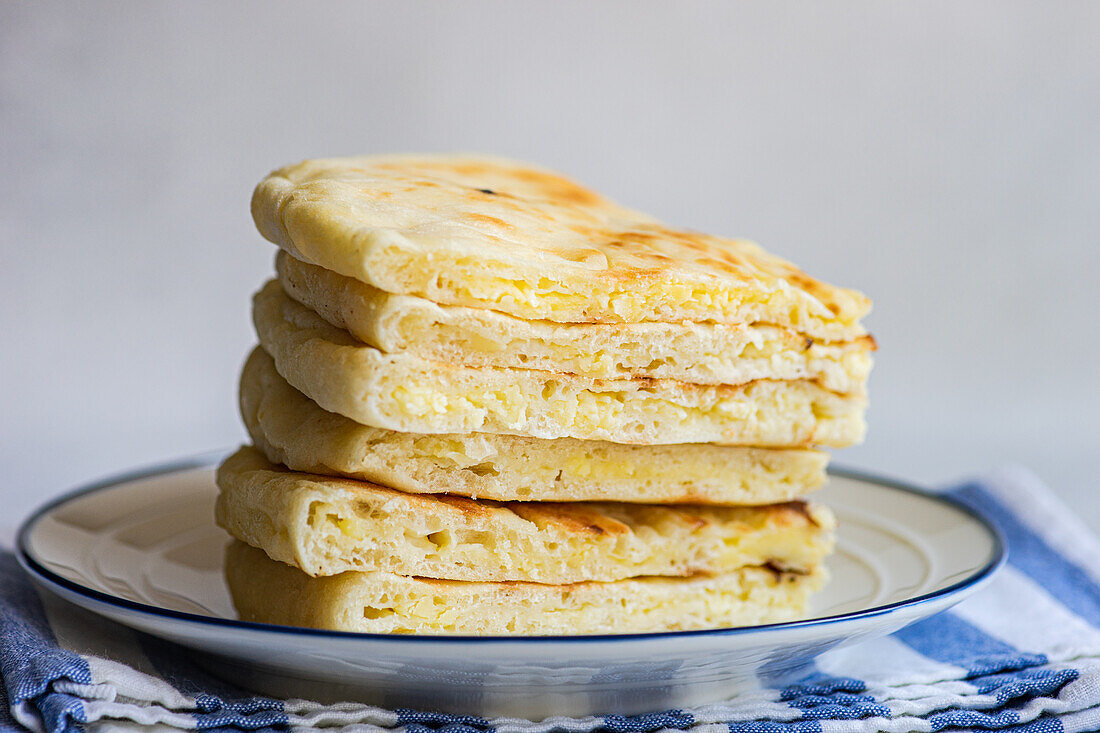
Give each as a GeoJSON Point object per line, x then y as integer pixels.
{"type": "Point", "coordinates": [941, 156]}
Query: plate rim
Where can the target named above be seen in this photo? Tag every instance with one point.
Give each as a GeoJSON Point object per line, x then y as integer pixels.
{"type": "Point", "coordinates": [210, 459]}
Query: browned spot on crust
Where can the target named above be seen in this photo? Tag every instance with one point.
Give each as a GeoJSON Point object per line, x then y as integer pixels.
{"type": "Point", "coordinates": [641, 237]}
{"type": "Point", "coordinates": [571, 518]}
{"type": "Point", "coordinates": [696, 521]}
{"type": "Point", "coordinates": [558, 188]}
{"type": "Point", "coordinates": [802, 280]}
{"type": "Point", "coordinates": [799, 507]}
{"type": "Point", "coordinates": [779, 570]}
{"type": "Point", "coordinates": [543, 185]}
{"type": "Point", "coordinates": [486, 219]}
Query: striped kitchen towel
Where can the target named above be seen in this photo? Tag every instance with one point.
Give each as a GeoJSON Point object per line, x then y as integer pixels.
{"type": "Point", "coordinates": [1021, 655]}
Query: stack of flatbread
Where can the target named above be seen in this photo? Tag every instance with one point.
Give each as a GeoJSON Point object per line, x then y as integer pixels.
{"type": "Point", "coordinates": [487, 400]}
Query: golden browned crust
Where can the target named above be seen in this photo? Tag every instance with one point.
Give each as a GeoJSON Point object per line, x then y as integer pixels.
{"type": "Point", "coordinates": [537, 246]}
{"type": "Point", "coordinates": [325, 525]}
{"type": "Point", "coordinates": [293, 430]}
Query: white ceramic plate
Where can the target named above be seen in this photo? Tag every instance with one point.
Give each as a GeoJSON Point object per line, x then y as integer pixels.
{"type": "Point", "coordinates": [143, 550]}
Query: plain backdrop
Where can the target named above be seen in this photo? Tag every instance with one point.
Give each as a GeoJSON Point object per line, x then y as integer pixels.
{"type": "Point", "coordinates": [943, 157]}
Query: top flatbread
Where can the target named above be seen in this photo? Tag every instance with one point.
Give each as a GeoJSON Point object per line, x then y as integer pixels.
{"type": "Point", "coordinates": [497, 234]}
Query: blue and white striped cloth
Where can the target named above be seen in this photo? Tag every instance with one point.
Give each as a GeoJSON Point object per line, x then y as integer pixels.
{"type": "Point", "coordinates": [1022, 655]}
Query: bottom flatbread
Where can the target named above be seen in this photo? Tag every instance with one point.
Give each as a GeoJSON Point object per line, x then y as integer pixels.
{"type": "Point", "coordinates": [268, 591]}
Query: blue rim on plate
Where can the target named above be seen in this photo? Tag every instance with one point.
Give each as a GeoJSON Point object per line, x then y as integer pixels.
{"type": "Point", "coordinates": [209, 460]}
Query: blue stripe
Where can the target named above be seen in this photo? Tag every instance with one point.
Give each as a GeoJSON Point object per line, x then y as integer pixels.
{"type": "Point", "coordinates": [766, 726]}
{"type": "Point", "coordinates": [420, 721]}
{"type": "Point", "coordinates": [61, 713]}
{"type": "Point", "coordinates": [819, 684]}
{"type": "Point", "coordinates": [1031, 554]}
{"type": "Point", "coordinates": [841, 707]}
{"type": "Point", "coordinates": [947, 638]}
{"type": "Point", "coordinates": [268, 722]}
{"type": "Point", "coordinates": [1026, 684]}
{"type": "Point", "coordinates": [423, 721]}
{"type": "Point", "coordinates": [971, 719]}
{"type": "Point", "coordinates": [31, 661]}
{"type": "Point", "coordinates": [676, 719]}
{"type": "Point", "coordinates": [821, 697]}
{"type": "Point", "coordinates": [1040, 725]}
{"type": "Point", "coordinates": [7, 723]}
{"type": "Point", "coordinates": [1006, 721]}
